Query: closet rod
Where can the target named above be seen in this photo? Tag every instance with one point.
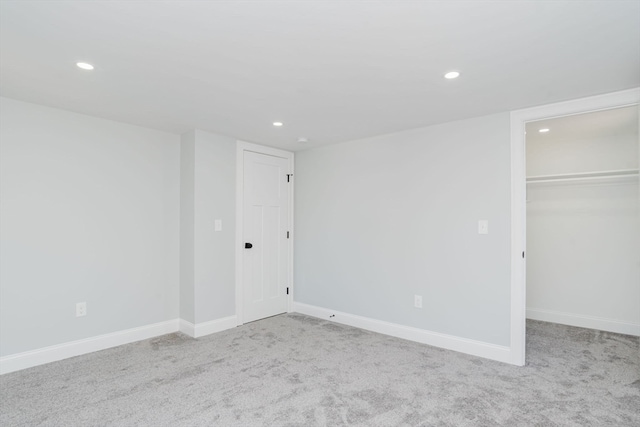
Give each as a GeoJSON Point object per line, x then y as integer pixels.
{"type": "Point", "coordinates": [584, 176]}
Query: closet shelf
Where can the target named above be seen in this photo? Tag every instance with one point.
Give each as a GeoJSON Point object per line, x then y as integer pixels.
{"type": "Point", "coordinates": [585, 176]}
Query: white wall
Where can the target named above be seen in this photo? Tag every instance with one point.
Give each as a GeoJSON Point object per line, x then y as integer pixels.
{"type": "Point", "coordinates": [552, 155]}
{"type": "Point", "coordinates": [583, 238]}
{"type": "Point", "coordinates": [381, 219]}
{"type": "Point", "coordinates": [90, 212]}
{"type": "Point", "coordinates": [207, 256]}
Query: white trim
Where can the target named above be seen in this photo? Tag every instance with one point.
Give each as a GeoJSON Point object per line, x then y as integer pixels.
{"type": "Point", "coordinates": [518, 195]}
{"type": "Point", "coordinates": [582, 321]}
{"type": "Point", "coordinates": [449, 342]}
{"type": "Point", "coordinates": [518, 241]}
{"type": "Point", "coordinates": [241, 147]}
{"type": "Point", "coordinates": [206, 328]}
{"type": "Point", "coordinates": [239, 230]}
{"type": "Point", "coordinates": [28, 359]}
{"type": "Point", "coordinates": [263, 149]}
{"type": "Point", "coordinates": [291, 229]}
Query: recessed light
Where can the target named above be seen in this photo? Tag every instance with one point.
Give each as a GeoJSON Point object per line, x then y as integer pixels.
{"type": "Point", "coordinates": [451, 75]}
{"type": "Point", "coordinates": [277, 124]}
{"type": "Point", "coordinates": [84, 65]}
{"type": "Point", "coordinates": [302, 140]}
{"type": "Point", "coordinates": [544, 130]}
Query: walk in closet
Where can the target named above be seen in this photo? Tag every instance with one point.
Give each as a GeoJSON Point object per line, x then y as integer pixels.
{"type": "Point", "coordinates": [583, 220]}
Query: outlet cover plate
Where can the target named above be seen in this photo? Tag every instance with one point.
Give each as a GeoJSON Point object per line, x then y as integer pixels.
{"type": "Point", "coordinates": [81, 309]}
{"type": "Point", "coordinates": [417, 301]}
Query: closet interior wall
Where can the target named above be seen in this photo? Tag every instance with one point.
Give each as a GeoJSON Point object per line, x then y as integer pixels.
{"type": "Point", "coordinates": [583, 220]}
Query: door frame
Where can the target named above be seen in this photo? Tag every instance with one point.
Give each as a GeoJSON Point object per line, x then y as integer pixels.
{"type": "Point", "coordinates": [519, 119]}
{"type": "Point", "coordinates": [241, 148]}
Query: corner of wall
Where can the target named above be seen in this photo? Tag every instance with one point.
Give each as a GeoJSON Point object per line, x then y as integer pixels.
{"type": "Point", "coordinates": [187, 218]}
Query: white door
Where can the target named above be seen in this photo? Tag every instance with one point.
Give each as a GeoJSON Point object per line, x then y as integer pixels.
{"type": "Point", "coordinates": [265, 233]}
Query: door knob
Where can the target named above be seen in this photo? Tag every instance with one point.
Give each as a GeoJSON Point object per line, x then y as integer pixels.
{"type": "Point", "coordinates": [248, 245]}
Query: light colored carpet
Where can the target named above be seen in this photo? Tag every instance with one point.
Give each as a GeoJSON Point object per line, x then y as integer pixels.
{"type": "Point", "coordinates": [295, 370]}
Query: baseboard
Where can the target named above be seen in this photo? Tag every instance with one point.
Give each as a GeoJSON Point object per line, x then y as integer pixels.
{"type": "Point", "coordinates": [205, 328]}
{"type": "Point", "coordinates": [582, 321]}
{"type": "Point", "coordinates": [28, 359]}
{"type": "Point", "coordinates": [449, 342]}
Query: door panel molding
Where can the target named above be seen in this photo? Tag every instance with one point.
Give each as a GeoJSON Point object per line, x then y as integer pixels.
{"type": "Point", "coordinates": [241, 148]}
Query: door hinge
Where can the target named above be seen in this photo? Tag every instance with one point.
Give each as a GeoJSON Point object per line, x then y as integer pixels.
{"type": "Point", "coordinates": [289, 175]}
{"type": "Point", "coordinates": [287, 291]}
{"type": "Point", "coordinates": [287, 234]}
{"type": "Point", "coordinates": [522, 254]}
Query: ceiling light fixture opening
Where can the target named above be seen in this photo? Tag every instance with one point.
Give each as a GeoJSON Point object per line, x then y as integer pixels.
{"type": "Point", "coordinates": [544, 130]}
{"type": "Point", "coordinates": [277, 124]}
{"type": "Point", "coordinates": [452, 75]}
{"type": "Point", "coordinates": [84, 65]}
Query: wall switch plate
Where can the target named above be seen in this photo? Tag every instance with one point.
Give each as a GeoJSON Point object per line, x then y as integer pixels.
{"type": "Point", "coordinates": [483, 226]}
{"type": "Point", "coordinates": [218, 225]}
{"type": "Point", "coordinates": [417, 301]}
{"type": "Point", "coordinates": [81, 309]}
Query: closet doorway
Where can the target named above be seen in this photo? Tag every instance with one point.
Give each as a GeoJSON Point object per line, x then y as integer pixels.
{"type": "Point", "coordinates": [583, 220]}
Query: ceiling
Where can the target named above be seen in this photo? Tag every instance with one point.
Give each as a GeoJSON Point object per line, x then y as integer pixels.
{"type": "Point", "coordinates": [331, 71]}
{"type": "Point", "coordinates": [604, 124]}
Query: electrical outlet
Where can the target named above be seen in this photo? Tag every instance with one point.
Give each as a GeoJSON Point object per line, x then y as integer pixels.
{"type": "Point", "coordinates": [417, 301]}
{"type": "Point", "coordinates": [81, 309]}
